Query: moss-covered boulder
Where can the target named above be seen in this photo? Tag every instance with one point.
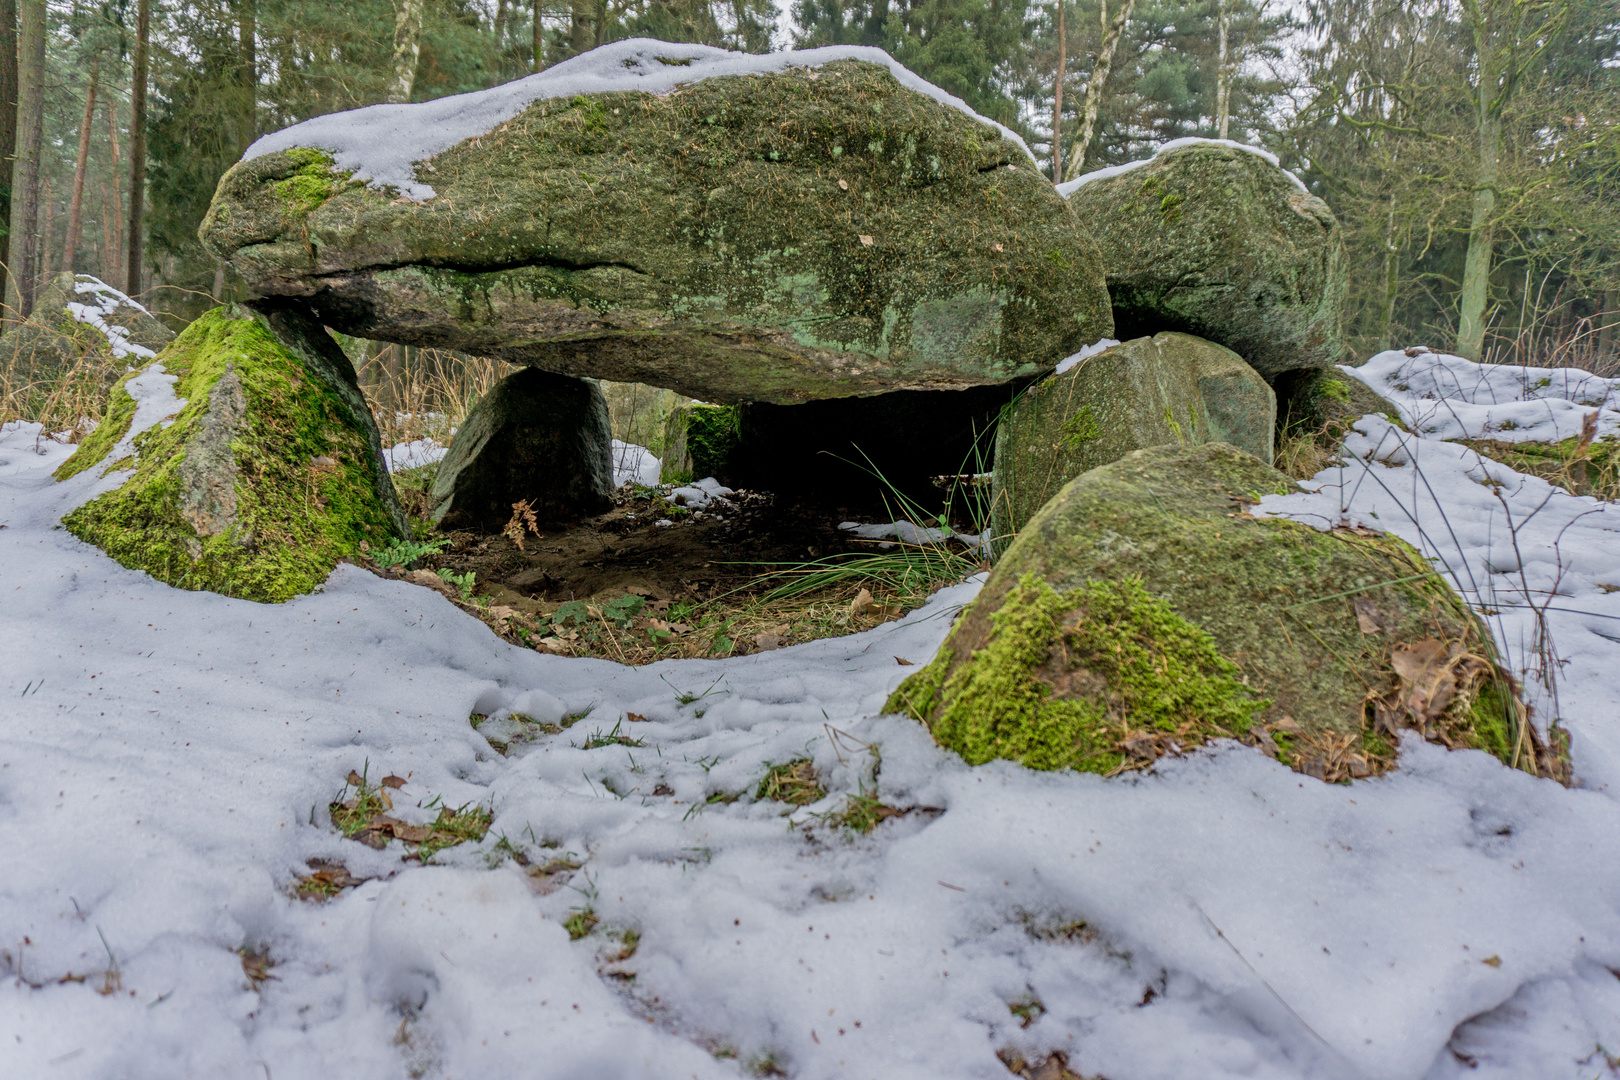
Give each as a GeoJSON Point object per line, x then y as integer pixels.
{"type": "Point", "coordinates": [1170, 388]}
{"type": "Point", "coordinates": [814, 232]}
{"type": "Point", "coordinates": [700, 440]}
{"type": "Point", "coordinates": [268, 475]}
{"type": "Point", "coordinates": [78, 317]}
{"type": "Point", "coordinates": [1144, 611]}
{"type": "Point", "coordinates": [1219, 242]}
{"type": "Point", "coordinates": [535, 437]}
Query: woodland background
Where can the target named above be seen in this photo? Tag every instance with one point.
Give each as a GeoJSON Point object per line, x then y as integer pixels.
{"type": "Point", "coordinates": [1471, 148]}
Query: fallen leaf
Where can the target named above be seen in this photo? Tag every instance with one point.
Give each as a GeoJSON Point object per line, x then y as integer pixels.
{"type": "Point", "coordinates": [429, 579]}
{"type": "Point", "coordinates": [412, 834]}
{"type": "Point", "coordinates": [843, 185]}
{"type": "Point", "coordinates": [902, 661]}
{"type": "Point", "coordinates": [1492, 961]}
{"type": "Point", "coordinates": [767, 642]}
{"type": "Point", "coordinates": [995, 247]}
{"type": "Point", "coordinates": [502, 613]}
{"type": "Point", "coordinates": [1427, 681]}
{"type": "Point", "coordinates": [862, 601]}
{"type": "Point", "coordinates": [866, 241]}
{"type": "Point", "coordinates": [355, 779]}
{"type": "Point", "coordinates": [395, 782]}
{"type": "Point", "coordinates": [1367, 616]}
{"type": "Point", "coordinates": [636, 718]}
{"type": "Point", "coordinates": [679, 628]}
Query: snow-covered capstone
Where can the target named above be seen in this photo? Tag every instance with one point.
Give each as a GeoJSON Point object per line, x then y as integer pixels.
{"type": "Point", "coordinates": [779, 228]}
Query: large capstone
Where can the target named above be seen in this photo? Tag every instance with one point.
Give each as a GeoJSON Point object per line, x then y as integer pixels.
{"type": "Point", "coordinates": [269, 474]}
{"type": "Point", "coordinates": [1217, 241]}
{"type": "Point", "coordinates": [534, 438]}
{"type": "Point", "coordinates": [799, 233]}
{"type": "Point", "coordinates": [1170, 388]}
{"type": "Point", "coordinates": [1145, 611]}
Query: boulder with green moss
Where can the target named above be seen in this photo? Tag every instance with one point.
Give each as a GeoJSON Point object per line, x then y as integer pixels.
{"type": "Point", "coordinates": [808, 232]}
{"type": "Point", "coordinates": [78, 317]}
{"type": "Point", "coordinates": [534, 438]}
{"type": "Point", "coordinates": [700, 440]}
{"type": "Point", "coordinates": [1170, 388]}
{"type": "Point", "coordinates": [267, 476]}
{"type": "Point", "coordinates": [1145, 611]}
{"type": "Point", "coordinates": [1219, 242]}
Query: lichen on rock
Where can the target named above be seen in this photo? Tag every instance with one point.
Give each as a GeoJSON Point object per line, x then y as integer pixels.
{"type": "Point", "coordinates": [262, 482]}
{"type": "Point", "coordinates": [779, 237]}
{"type": "Point", "coordinates": [1338, 641]}
{"type": "Point", "coordinates": [1219, 242]}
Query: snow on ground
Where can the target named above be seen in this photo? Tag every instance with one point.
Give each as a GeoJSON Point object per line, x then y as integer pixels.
{"type": "Point", "coordinates": [166, 758]}
{"type": "Point", "coordinates": [634, 464]}
{"type": "Point", "coordinates": [384, 143]}
{"type": "Point", "coordinates": [1069, 187]}
{"type": "Point", "coordinates": [414, 454]}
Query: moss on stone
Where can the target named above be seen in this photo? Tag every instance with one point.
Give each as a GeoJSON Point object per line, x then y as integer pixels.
{"type": "Point", "coordinates": [109, 432]}
{"type": "Point", "coordinates": [287, 490]}
{"type": "Point", "coordinates": [1081, 680]}
{"type": "Point", "coordinates": [700, 441]}
{"type": "Point", "coordinates": [780, 237]}
{"type": "Point", "coordinates": [1311, 619]}
{"type": "Point", "coordinates": [1218, 242]}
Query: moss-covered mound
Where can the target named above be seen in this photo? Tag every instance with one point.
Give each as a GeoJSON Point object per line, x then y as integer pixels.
{"type": "Point", "coordinates": [1170, 388]}
{"type": "Point", "coordinates": [699, 441]}
{"type": "Point", "coordinates": [1218, 242]}
{"type": "Point", "coordinates": [784, 237]}
{"type": "Point", "coordinates": [266, 478]}
{"type": "Point", "coordinates": [1144, 611]}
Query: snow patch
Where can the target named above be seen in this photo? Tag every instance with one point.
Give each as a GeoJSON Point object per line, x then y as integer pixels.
{"type": "Point", "coordinates": [414, 454]}
{"type": "Point", "coordinates": [382, 144]}
{"type": "Point", "coordinates": [700, 493]}
{"type": "Point", "coordinates": [1086, 353]}
{"type": "Point", "coordinates": [634, 464]}
{"type": "Point", "coordinates": [1069, 187]}
{"type": "Point", "coordinates": [103, 300]}
{"type": "Point", "coordinates": [1447, 397]}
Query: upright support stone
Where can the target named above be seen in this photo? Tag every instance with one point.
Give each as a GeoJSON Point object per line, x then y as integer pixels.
{"type": "Point", "coordinates": [535, 437]}
{"type": "Point", "coordinates": [699, 440]}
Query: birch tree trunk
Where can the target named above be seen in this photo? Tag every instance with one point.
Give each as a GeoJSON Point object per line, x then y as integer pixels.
{"type": "Point", "coordinates": [1057, 99]}
{"type": "Point", "coordinates": [539, 39]}
{"type": "Point", "coordinates": [137, 148]}
{"type": "Point", "coordinates": [1488, 100]}
{"type": "Point", "coordinates": [1096, 84]}
{"type": "Point", "coordinates": [24, 239]}
{"type": "Point", "coordinates": [70, 245]}
{"type": "Point", "coordinates": [407, 49]}
{"type": "Point", "coordinates": [8, 120]}
{"type": "Point", "coordinates": [1223, 75]}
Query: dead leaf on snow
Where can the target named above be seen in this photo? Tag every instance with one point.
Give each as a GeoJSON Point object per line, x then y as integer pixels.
{"type": "Point", "coordinates": [395, 782]}
{"type": "Point", "coordinates": [903, 662]}
{"type": "Point", "coordinates": [1492, 961]}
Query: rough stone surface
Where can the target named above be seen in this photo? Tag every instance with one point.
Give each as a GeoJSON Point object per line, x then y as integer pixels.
{"type": "Point", "coordinates": [265, 479]}
{"type": "Point", "coordinates": [51, 340]}
{"type": "Point", "coordinates": [1170, 388]}
{"type": "Point", "coordinates": [775, 238]}
{"type": "Point", "coordinates": [1320, 626]}
{"type": "Point", "coordinates": [1218, 242]}
{"type": "Point", "coordinates": [1329, 402]}
{"type": "Point", "coordinates": [534, 436]}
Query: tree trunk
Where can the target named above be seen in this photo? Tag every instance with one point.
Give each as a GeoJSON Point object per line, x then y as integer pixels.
{"type": "Point", "coordinates": [42, 272]}
{"type": "Point", "coordinates": [113, 269]}
{"type": "Point", "coordinates": [1057, 99]}
{"type": "Point", "coordinates": [1223, 76]}
{"type": "Point", "coordinates": [70, 245]}
{"type": "Point", "coordinates": [407, 48]}
{"type": "Point", "coordinates": [247, 71]}
{"type": "Point", "coordinates": [579, 26]}
{"type": "Point", "coordinates": [1608, 320]}
{"type": "Point", "coordinates": [8, 119]}
{"type": "Point", "coordinates": [540, 41]}
{"type": "Point", "coordinates": [1471, 313]}
{"type": "Point", "coordinates": [24, 245]}
{"type": "Point", "coordinates": [137, 147]}
{"type": "Point", "coordinates": [500, 25]}
{"type": "Point", "coordinates": [1095, 85]}
{"type": "Point", "coordinates": [1392, 282]}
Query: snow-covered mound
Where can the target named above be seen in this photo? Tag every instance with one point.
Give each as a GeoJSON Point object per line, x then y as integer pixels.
{"type": "Point", "coordinates": [634, 464]}
{"type": "Point", "coordinates": [1447, 397]}
{"type": "Point", "coordinates": [383, 143]}
{"type": "Point", "coordinates": [100, 301]}
{"type": "Point", "coordinates": [1069, 187]}
{"type": "Point", "coordinates": [167, 757]}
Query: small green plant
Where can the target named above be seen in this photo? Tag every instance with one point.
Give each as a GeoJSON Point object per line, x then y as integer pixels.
{"type": "Point", "coordinates": [861, 813]}
{"type": "Point", "coordinates": [452, 827]}
{"type": "Point", "coordinates": [404, 552]}
{"type": "Point", "coordinates": [352, 813]}
{"type": "Point", "coordinates": [462, 583]}
{"type": "Point", "coordinates": [581, 922]}
{"type": "Point", "coordinates": [596, 740]}
{"type": "Point", "coordinates": [622, 610]}
{"type": "Point", "coordinates": [793, 782]}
